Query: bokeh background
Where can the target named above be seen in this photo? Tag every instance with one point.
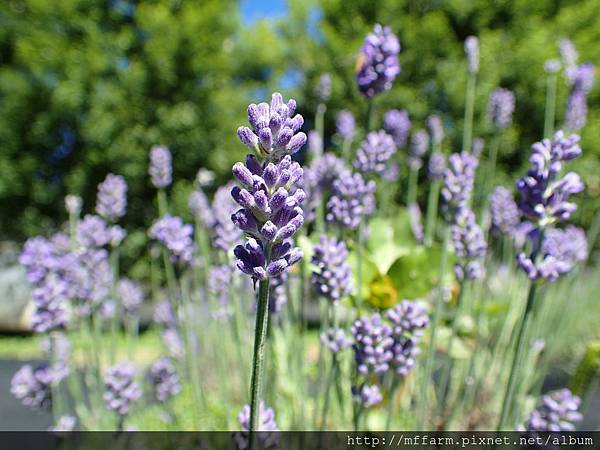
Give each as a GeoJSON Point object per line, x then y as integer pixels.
{"type": "Point", "coordinates": [87, 86]}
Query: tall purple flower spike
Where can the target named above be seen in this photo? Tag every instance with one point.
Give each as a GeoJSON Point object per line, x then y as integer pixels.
{"type": "Point", "coordinates": [397, 124]}
{"type": "Point", "coordinates": [121, 389]}
{"type": "Point", "coordinates": [345, 125]}
{"type": "Point", "coordinates": [332, 277]}
{"type": "Point", "coordinates": [373, 344]}
{"type": "Point", "coordinates": [176, 236]}
{"type": "Point", "coordinates": [274, 131]}
{"type": "Point", "coordinates": [111, 201]}
{"type": "Point", "coordinates": [377, 65]}
{"type": "Point", "coordinates": [459, 178]}
{"type": "Point", "coordinates": [544, 194]}
{"type": "Point", "coordinates": [472, 53]}
{"type": "Point", "coordinates": [160, 169]}
{"type": "Point", "coordinates": [270, 215]}
{"type": "Point", "coordinates": [558, 411]}
{"type": "Point", "coordinates": [469, 245]}
{"type": "Point", "coordinates": [501, 106]}
{"type": "Point", "coordinates": [351, 199]}
{"type": "Point", "coordinates": [504, 211]}
{"type": "Point", "coordinates": [374, 152]}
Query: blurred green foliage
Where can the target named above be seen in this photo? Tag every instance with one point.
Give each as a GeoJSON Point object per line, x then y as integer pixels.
{"type": "Point", "coordinates": [87, 86]}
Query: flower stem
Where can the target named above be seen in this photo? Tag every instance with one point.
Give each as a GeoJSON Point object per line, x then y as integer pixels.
{"type": "Point", "coordinates": [469, 107]}
{"type": "Point", "coordinates": [550, 110]}
{"type": "Point", "coordinates": [434, 318]}
{"type": "Point", "coordinates": [510, 388]}
{"type": "Point", "coordinates": [432, 209]}
{"type": "Point", "coordinates": [413, 180]}
{"type": "Point", "coordinates": [448, 366]}
{"type": "Point", "coordinates": [260, 337]}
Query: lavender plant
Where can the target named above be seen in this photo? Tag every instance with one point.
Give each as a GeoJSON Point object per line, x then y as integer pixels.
{"type": "Point", "coordinates": [270, 213]}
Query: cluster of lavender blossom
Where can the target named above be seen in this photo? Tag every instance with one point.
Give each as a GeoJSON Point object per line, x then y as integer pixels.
{"type": "Point", "coordinates": [381, 346]}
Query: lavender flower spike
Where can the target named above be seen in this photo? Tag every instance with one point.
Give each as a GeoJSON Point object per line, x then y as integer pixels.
{"type": "Point", "coordinates": [459, 178]}
{"type": "Point", "coordinates": [73, 204]}
{"type": "Point", "coordinates": [121, 388]}
{"type": "Point", "coordinates": [274, 129]}
{"type": "Point", "coordinates": [377, 64]}
{"type": "Point", "coordinates": [436, 129]}
{"type": "Point", "coordinates": [161, 168]}
{"type": "Point", "coordinates": [200, 208]}
{"type": "Point", "coordinates": [436, 166]}
{"type": "Point", "coordinates": [323, 89]}
{"type": "Point", "coordinates": [372, 345]}
{"type": "Point", "coordinates": [408, 322]}
{"type": "Point", "coordinates": [559, 410]}
{"type": "Point", "coordinates": [501, 106]}
{"type": "Point", "coordinates": [345, 125]}
{"type": "Point", "coordinates": [545, 196]}
{"type": "Point", "coordinates": [111, 202]}
{"type": "Point", "coordinates": [469, 245]}
{"type": "Point", "coordinates": [505, 213]}
{"type": "Point", "coordinates": [32, 386]}
{"type": "Point", "coordinates": [397, 124]}
{"type": "Point", "coordinates": [270, 215]}
{"type": "Point", "coordinates": [367, 395]}
{"type": "Point", "coordinates": [267, 439]}
{"type": "Point", "coordinates": [374, 152]}
{"type": "Point", "coordinates": [226, 233]}
{"type": "Point", "coordinates": [176, 236]}
{"type": "Point", "coordinates": [472, 52]}
{"type": "Point", "coordinates": [164, 380]}
{"type": "Point", "coordinates": [418, 148]}
{"type": "Point", "coordinates": [131, 296]}
{"type": "Point", "coordinates": [335, 340]}
{"type": "Point", "coordinates": [351, 199]}
{"type": "Point", "coordinates": [332, 277]}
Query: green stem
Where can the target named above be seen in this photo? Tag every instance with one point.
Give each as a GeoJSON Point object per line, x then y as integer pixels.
{"type": "Point", "coordinates": [390, 410]}
{"type": "Point", "coordinates": [550, 110]}
{"type": "Point", "coordinates": [320, 127]}
{"type": "Point", "coordinates": [359, 271]}
{"type": "Point", "coordinates": [260, 336]}
{"type": "Point", "coordinates": [161, 198]}
{"type": "Point", "coordinates": [510, 388]}
{"type": "Point", "coordinates": [369, 115]}
{"type": "Point", "coordinates": [413, 180]}
{"type": "Point", "coordinates": [432, 209]}
{"type": "Point", "coordinates": [434, 319]}
{"type": "Point", "coordinates": [469, 107]}
{"type": "Point", "coordinates": [330, 380]}
{"type": "Point", "coordinates": [347, 150]}
{"type": "Point", "coordinates": [490, 173]}
{"type": "Point", "coordinates": [448, 366]}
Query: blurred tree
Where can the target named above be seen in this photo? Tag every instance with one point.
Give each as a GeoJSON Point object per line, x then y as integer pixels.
{"type": "Point", "coordinates": [88, 86]}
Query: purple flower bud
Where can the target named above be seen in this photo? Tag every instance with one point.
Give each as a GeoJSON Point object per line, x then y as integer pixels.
{"type": "Point", "coordinates": [164, 380]}
{"type": "Point", "coordinates": [111, 202]}
{"type": "Point", "coordinates": [505, 213]}
{"type": "Point", "coordinates": [267, 439]}
{"type": "Point", "coordinates": [323, 89]}
{"type": "Point", "coordinates": [374, 152]}
{"type": "Point", "coordinates": [160, 168]}
{"type": "Point", "coordinates": [345, 125]}
{"type": "Point", "coordinates": [418, 148]}
{"type": "Point", "coordinates": [558, 411]}
{"type": "Point", "coordinates": [351, 199]}
{"type": "Point", "coordinates": [436, 129]}
{"type": "Point", "coordinates": [131, 296]}
{"type": "Point", "coordinates": [200, 208]}
{"type": "Point", "coordinates": [176, 236]}
{"type": "Point", "coordinates": [335, 340]}
{"type": "Point", "coordinates": [332, 276]}
{"type": "Point", "coordinates": [469, 245]}
{"type": "Point", "coordinates": [459, 178]}
{"type": "Point", "coordinates": [367, 395]}
{"type": "Point", "coordinates": [377, 64]}
{"type": "Point", "coordinates": [501, 106]}
{"type": "Point", "coordinates": [436, 166]}
{"type": "Point", "coordinates": [372, 345]}
{"type": "Point", "coordinates": [120, 388]}
{"type": "Point", "coordinates": [73, 204]}
{"type": "Point", "coordinates": [226, 233]}
{"type": "Point", "coordinates": [32, 386]}
{"type": "Point", "coordinates": [397, 124]}
{"type": "Point", "coordinates": [472, 52]}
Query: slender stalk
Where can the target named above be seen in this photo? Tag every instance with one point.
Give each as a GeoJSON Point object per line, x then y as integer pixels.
{"type": "Point", "coordinates": [432, 209]}
{"type": "Point", "coordinates": [347, 150]}
{"type": "Point", "coordinates": [359, 271]}
{"type": "Point", "coordinates": [161, 198]}
{"type": "Point", "coordinates": [510, 388]}
{"type": "Point", "coordinates": [260, 337]}
{"type": "Point", "coordinates": [490, 173]}
{"type": "Point", "coordinates": [434, 319]}
{"type": "Point", "coordinates": [448, 366]}
{"type": "Point", "coordinates": [114, 321]}
{"type": "Point", "coordinates": [469, 107]}
{"type": "Point", "coordinates": [413, 180]}
{"type": "Point", "coordinates": [550, 110]}
{"type": "Point", "coordinates": [390, 411]}
{"type": "Point", "coordinates": [330, 380]}
{"type": "Point", "coordinates": [369, 115]}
